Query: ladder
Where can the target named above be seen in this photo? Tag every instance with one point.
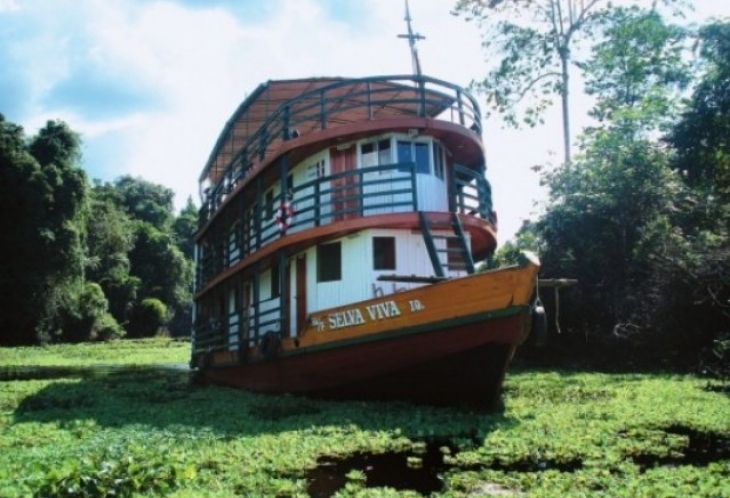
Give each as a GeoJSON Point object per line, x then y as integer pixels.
{"type": "Point", "coordinates": [456, 249]}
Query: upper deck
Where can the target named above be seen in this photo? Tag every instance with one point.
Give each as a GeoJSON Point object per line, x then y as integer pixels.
{"type": "Point", "coordinates": [278, 112]}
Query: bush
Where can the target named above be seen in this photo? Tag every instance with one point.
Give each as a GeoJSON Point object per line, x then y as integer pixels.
{"type": "Point", "coordinates": [107, 328]}
{"type": "Point", "coordinates": [148, 318]}
{"type": "Point", "coordinates": [81, 313]}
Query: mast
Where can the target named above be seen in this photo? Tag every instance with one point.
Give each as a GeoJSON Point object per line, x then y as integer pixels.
{"type": "Point", "coordinates": [412, 38]}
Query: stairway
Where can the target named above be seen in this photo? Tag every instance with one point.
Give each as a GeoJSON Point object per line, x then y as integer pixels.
{"type": "Point", "coordinates": [456, 248]}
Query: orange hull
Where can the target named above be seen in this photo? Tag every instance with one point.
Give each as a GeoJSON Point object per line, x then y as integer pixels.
{"type": "Point", "coordinates": [445, 343]}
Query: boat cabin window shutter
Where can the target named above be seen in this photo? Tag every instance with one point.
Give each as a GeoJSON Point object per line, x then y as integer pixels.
{"type": "Point", "coordinates": [383, 253]}
{"type": "Point", "coordinates": [269, 204]}
{"type": "Point", "coordinates": [329, 262]}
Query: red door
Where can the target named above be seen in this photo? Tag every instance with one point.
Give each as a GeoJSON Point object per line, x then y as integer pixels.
{"type": "Point", "coordinates": [345, 194]}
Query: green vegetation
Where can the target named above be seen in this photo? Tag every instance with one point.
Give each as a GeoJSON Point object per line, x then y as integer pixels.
{"type": "Point", "coordinates": [81, 261]}
{"type": "Point", "coordinates": [154, 432]}
{"type": "Point", "coordinates": [639, 212]}
{"type": "Point", "coordinates": [156, 351]}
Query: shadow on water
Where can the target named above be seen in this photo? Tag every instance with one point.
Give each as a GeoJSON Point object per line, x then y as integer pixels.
{"type": "Point", "coordinates": [45, 372]}
{"type": "Point", "coordinates": [173, 395]}
{"type": "Point", "coordinates": [422, 472]}
{"type": "Point", "coordinates": [701, 449]}
{"type": "Point", "coordinates": [402, 471]}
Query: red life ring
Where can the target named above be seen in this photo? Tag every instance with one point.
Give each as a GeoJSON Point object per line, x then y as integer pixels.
{"type": "Point", "coordinates": [284, 216]}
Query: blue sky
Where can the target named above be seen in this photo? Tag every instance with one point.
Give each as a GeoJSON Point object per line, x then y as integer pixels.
{"type": "Point", "coordinates": [149, 84]}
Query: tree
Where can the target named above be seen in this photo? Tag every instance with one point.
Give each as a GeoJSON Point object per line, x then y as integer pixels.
{"type": "Point", "coordinates": [145, 201]}
{"type": "Point", "coordinates": [536, 42]}
{"type": "Point", "coordinates": [619, 207]}
{"type": "Point", "coordinates": [43, 204]}
{"type": "Point", "coordinates": [110, 239]}
{"type": "Point", "coordinates": [701, 141]}
{"type": "Point", "coordinates": [637, 72]}
{"type": "Point", "coordinates": [163, 271]}
{"type": "Point", "coordinates": [184, 228]}
{"type": "Point", "coordinates": [702, 137]}
{"type": "Point", "coordinates": [148, 318]}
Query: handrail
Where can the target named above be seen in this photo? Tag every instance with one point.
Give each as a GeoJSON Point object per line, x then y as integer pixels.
{"type": "Point", "coordinates": [349, 194]}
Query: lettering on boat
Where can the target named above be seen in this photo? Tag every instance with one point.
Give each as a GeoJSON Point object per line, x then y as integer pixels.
{"type": "Point", "coordinates": [386, 309]}
{"type": "Point", "coordinates": [346, 318]}
{"type": "Point", "coordinates": [416, 305]}
{"type": "Point", "coordinates": [373, 313]}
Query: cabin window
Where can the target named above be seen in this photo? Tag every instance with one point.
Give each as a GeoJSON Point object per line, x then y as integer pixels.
{"type": "Point", "coordinates": [405, 152]}
{"type": "Point", "coordinates": [415, 152]}
{"type": "Point", "coordinates": [384, 253]}
{"type": "Point", "coordinates": [329, 262]}
{"type": "Point", "coordinates": [375, 153]}
{"type": "Point", "coordinates": [423, 163]}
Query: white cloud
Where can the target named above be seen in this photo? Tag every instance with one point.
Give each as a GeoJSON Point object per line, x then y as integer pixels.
{"type": "Point", "coordinates": [9, 5]}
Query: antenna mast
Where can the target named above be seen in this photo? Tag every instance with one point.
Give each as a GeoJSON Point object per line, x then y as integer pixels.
{"type": "Point", "coordinates": [412, 37]}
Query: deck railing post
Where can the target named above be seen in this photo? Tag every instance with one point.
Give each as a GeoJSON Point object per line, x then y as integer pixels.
{"type": "Point", "coordinates": [414, 186]}
{"type": "Point", "coordinates": [317, 203]}
{"type": "Point", "coordinates": [460, 103]}
{"type": "Point", "coordinates": [258, 212]}
{"type": "Point", "coordinates": [256, 299]}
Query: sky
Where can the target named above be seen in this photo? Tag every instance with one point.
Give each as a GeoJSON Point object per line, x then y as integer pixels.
{"type": "Point", "coordinates": [149, 84]}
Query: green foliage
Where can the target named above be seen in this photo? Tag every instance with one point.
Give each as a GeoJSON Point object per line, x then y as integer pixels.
{"type": "Point", "coordinates": [702, 136]}
{"type": "Point", "coordinates": [527, 239]}
{"type": "Point", "coordinates": [43, 205]}
{"type": "Point", "coordinates": [534, 43]}
{"type": "Point", "coordinates": [184, 228]}
{"type": "Point", "coordinates": [106, 328]}
{"type": "Point", "coordinates": [145, 201]}
{"type": "Point", "coordinates": [116, 471]}
{"type": "Point", "coordinates": [82, 313]}
{"type": "Point", "coordinates": [109, 241]}
{"type": "Point", "coordinates": [148, 318]}
{"type": "Point", "coordinates": [151, 432]}
{"type": "Point", "coordinates": [600, 211]}
{"type": "Point", "coordinates": [136, 249]}
{"type": "Point", "coordinates": [154, 351]}
{"type": "Point", "coordinates": [637, 70]}
{"type": "Point", "coordinates": [164, 272]}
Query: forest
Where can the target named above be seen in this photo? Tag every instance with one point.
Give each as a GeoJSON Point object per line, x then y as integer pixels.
{"type": "Point", "coordinates": [637, 210]}
{"type": "Point", "coordinates": [86, 260]}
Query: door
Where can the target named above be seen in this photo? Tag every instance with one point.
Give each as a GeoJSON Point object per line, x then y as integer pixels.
{"type": "Point", "coordinates": [345, 189]}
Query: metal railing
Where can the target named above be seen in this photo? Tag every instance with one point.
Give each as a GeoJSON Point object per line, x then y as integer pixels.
{"type": "Point", "coordinates": [350, 194]}
{"type": "Point", "coordinates": [413, 95]}
{"type": "Point", "coordinates": [239, 330]}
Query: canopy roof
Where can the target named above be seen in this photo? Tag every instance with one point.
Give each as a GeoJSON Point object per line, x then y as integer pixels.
{"type": "Point", "coordinates": [281, 109]}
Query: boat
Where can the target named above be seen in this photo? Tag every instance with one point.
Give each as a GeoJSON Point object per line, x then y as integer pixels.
{"type": "Point", "coordinates": [345, 246]}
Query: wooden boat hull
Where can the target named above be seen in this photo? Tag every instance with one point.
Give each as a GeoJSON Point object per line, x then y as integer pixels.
{"type": "Point", "coordinates": [446, 343]}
